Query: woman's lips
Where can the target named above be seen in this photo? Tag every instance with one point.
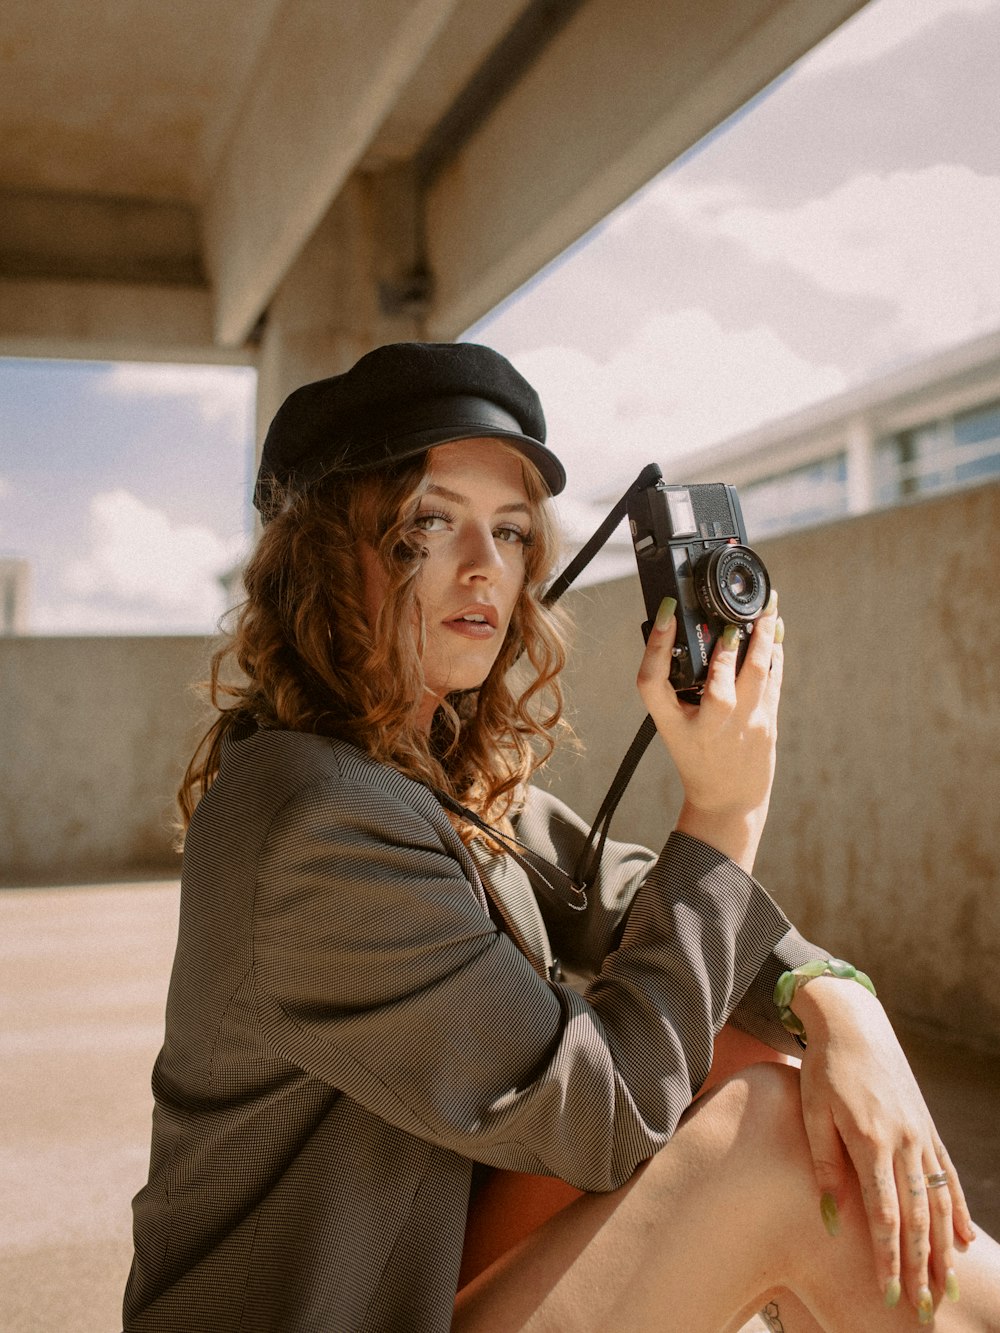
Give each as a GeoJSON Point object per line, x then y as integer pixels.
{"type": "Point", "coordinates": [471, 629]}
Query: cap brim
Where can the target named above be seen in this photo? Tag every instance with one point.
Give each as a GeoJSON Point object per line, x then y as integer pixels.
{"type": "Point", "coordinates": [552, 471]}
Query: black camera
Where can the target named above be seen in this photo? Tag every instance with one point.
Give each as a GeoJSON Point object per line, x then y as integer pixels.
{"type": "Point", "coordinates": [690, 543]}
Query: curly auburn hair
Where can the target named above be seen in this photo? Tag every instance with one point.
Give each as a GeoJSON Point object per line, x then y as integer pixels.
{"type": "Point", "coordinates": [310, 660]}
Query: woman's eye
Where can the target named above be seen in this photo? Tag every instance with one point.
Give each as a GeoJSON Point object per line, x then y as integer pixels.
{"type": "Point", "coordinates": [431, 522]}
{"type": "Point", "coordinates": [513, 534]}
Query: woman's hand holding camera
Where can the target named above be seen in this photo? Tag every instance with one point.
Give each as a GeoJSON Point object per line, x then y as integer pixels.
{"type": "Point", "coordinates": [724, 747]}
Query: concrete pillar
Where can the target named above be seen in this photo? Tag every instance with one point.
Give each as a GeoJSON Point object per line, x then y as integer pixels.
{"type": "Point", "coordinates": [359, 281]}
{"type": "Point", "coordinates": [15, 589]}
{"type": "Point", "coordinates": [860, 466]}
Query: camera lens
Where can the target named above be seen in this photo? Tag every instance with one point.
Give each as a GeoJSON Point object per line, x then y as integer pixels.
{"type": "Point", "coordinates": [733, 583]}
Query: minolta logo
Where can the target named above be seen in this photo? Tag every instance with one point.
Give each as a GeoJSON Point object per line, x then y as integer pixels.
{"type": "Point", "coordinates": [701, 643]}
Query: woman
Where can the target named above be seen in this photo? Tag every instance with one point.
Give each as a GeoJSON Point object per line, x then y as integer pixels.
{"type": "Point", "coordinates": [371, 1067]}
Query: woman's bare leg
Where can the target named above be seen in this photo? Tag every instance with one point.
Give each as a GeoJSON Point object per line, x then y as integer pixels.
{"type": "Point", "coordinates": [511, 1205]}
{"type": "Point", "coordinates": [722, 1219]}
{"type": "Point", "coordinates": [736, 1051]}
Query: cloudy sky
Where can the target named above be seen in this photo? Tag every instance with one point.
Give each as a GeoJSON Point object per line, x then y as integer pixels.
{"type": "Point", "coordinates": [843, 225]}
{"type": "Point", "coordinates": [126, 487]}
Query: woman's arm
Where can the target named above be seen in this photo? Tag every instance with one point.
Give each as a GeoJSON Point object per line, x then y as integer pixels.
{"type": "Point", "coordinates": [861, 1105]}
{"type": "Point", "coordinates": [724, 750]}
{"type": "Point", "coordinates": [380, 972]}
{"type": "Point", "coordinates": [582, 940]}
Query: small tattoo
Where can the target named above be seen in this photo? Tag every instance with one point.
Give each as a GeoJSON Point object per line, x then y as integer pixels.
{"type": "Point", "coordinates": [772, 1318]}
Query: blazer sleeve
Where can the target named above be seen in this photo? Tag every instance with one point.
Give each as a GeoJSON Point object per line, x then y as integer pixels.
{"type": "Point", "coordinates": [378, 970]}
{"type": "Point", "coordinates": [584, 939]}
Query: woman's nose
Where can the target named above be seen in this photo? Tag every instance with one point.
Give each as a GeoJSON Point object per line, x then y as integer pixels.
{"type": "Point", "coordinates": [480, 557]}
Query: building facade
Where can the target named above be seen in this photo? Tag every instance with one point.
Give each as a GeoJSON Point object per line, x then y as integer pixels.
{"type": "Point", "coordinates": [933, 426]}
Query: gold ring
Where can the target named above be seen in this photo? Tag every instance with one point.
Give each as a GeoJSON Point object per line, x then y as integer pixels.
{"type": "Point", "coordinates": [937, 1181]}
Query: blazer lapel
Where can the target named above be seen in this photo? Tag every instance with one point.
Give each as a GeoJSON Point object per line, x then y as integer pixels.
{"type": "Point", "coordinates": [509, 891]}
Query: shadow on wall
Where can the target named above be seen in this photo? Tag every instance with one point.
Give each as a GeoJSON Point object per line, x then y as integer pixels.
{"type": "Point", "coordinates": [883, 840]}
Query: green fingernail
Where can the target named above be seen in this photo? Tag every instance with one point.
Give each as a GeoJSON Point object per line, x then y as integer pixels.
{"type": "Point", "coordinates": [666, 612]}
{"type": "Point", "coordinates": [829, 1214]}
{"type": "Point", "coordinates": [730, 636]}
{"type": "Point", "coordinates": [779, 631]}
{"type": "Point", "coordinates": [893, 1291]}
{"type": "Point", "coordinates": [925, 1306]}
{"type": "Point", "coordinates": [951, 1285]}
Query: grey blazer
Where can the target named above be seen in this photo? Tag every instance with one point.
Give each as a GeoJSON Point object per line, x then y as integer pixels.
{"type": "Point", "coordinates": [348, 1030]}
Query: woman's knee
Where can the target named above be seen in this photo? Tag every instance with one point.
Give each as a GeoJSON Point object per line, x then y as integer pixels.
{"type": "Point", "coordinates": [756, 1112]}
{"type": "Point", "coordinates": [739, 1152]}
{"type": "Point", "coordinates": [755, 1091]}
{"type": "Point", "coordinates": [736, 1050]}
{"type": "Point", "coordinates": [773, 1091]}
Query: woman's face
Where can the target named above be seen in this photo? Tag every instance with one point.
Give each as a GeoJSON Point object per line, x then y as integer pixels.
{"type": "Point", "coordinates": [475, 521]}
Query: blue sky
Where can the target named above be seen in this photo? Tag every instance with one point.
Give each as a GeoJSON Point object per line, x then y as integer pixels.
{"type": "Point", "coordinates": [847, 223]}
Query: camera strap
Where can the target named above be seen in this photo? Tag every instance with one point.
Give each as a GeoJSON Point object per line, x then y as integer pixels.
{"type": "Point", "coordinates": [548, 878]}
{"type": "Point", "coordinates": [649, 476]}
{"type": "Point", "coordinates": [589, 861]}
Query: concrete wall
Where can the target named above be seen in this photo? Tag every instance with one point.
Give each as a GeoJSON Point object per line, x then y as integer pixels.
{"type": "Point", "coordinates": [94, 737]}
{"type": "Point", "coordinates": [883, 839]}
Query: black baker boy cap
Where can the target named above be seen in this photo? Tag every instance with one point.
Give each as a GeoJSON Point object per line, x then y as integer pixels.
{"type": "Point", "coordinates": [395, 402]}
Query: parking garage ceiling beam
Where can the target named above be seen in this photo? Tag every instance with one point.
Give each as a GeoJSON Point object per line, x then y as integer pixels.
{"type": "Point", "coordinates": [110, 321]}
{"type": "Point", "coordinates": [328, 78]}
{"type": "Point", "coordinates": [611, 100]}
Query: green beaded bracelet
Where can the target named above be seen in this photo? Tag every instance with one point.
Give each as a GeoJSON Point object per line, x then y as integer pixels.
{"type": "Point", "coordinates": [789, 983]}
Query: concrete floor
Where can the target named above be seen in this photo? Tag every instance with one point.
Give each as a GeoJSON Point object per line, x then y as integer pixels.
{"type": "Point", "coordinates": [82, 987]}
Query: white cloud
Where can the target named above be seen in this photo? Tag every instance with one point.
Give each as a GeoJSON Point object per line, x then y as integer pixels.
{"type": "Point", "coordinates": [219, 392]}
{"type": "Point", "coordinates": [879, 28]}
{"type": "Point", "coordinates": [141, 571]}
{"type": "Point", "coordinates": [682, 383]}
{"type": "Point", "coordinates": [922, 241]}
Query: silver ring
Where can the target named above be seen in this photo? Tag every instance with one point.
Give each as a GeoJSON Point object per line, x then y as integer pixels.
{"type": "Point", "coordinates": [937, 1181]}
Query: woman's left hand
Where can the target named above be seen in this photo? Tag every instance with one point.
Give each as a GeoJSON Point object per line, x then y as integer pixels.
{"type": "Point", "coordinates": [863, 1110]}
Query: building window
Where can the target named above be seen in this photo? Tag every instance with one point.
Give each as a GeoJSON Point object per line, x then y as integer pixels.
{"type": "Point", "coordinates": [939, 455]}
{"type": "Point", "coordinates": [797, 498]}
{"type": "Point", "coordinates": [977, 443]}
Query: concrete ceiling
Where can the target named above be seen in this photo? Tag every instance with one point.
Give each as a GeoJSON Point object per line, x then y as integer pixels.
{"type": "Point", "coordinates": [141, 99]}
{"type": "Point", "coordinates": [164, 163]}
{"type": "Point", "coordinates": [113, 97]}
